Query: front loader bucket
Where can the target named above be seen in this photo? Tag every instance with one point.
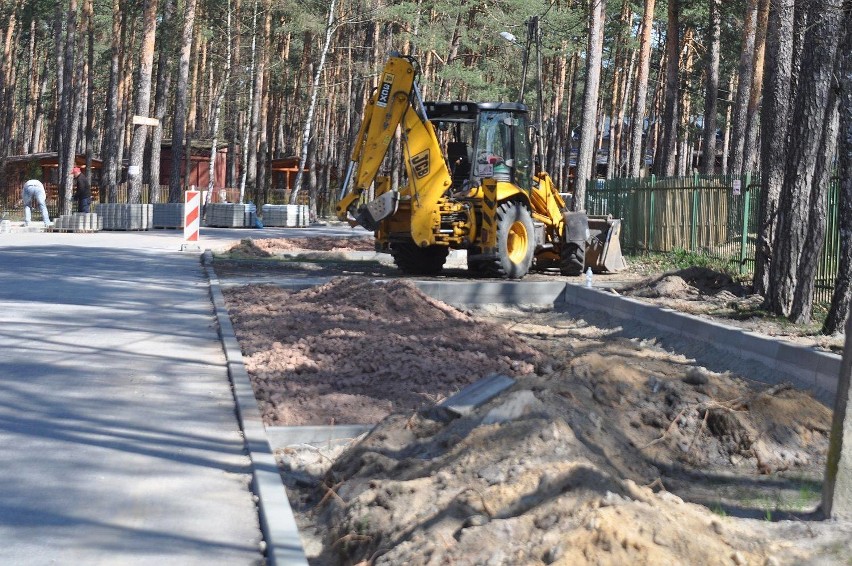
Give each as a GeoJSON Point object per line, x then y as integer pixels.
{"type": "Point", "coordinates": [603, 252]}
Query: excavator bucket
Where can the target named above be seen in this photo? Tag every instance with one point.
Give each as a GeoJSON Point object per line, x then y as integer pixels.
{"type": "Point", "coordinates": [603, 252]}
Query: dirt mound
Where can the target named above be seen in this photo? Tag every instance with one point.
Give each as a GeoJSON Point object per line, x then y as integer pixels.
{"type": "Point", "coordinates": [560, 482]}
{"type": "Point", "coordinates": [424, 492]}
{"type": "Point", "coordinates": [692, 282]}
{"type": "Point", "coordinates": [267, 247]}
{"type": "Point", "coordinates": [248, 249]}
{"type": "Point", "coordinates": [549, 472]}
{"type": "Point", "coordinates": [354, 350]}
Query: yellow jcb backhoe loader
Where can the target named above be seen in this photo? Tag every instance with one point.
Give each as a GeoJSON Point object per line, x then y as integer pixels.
{"type": "Point", "coordinates": [479, 190]}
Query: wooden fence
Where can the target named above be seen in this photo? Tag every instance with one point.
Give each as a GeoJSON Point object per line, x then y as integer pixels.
{"type": "Point", "coordinates": [716, 215]}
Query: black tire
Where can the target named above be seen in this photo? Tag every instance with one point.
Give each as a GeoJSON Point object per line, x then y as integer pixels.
{"type": "Point", "coordinates": [411, 259]}
{"type": "Point", "coordinates": [515, 241]}
{"type": "Point", "coordinates": [476, 267]}
{"type": "Point", "coordinates": [572, 259]}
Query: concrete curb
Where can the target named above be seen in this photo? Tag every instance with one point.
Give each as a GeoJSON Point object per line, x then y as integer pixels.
{"type": "Point", "coordinates": [284, 436]}
{"type": "Point", "coordinates": [283, 544]}
{"type": "Point", "coordinates": [494, 292]}
{"type": "Point", "coordinates": [804, 366]}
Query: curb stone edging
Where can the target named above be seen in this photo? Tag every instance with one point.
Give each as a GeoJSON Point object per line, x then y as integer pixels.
{"type": "Point", "coordinates": [806, 367]}
{"type": "Point", "coordinates": [280, 532]}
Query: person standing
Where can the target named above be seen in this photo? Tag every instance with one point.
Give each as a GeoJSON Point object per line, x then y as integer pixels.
{"type": "Point", "coordinates": [83, 192]}
{"type": "Point", "coordinates": [34, 190]}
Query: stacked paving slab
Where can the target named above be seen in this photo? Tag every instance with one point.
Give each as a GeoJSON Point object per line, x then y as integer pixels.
{"type": "Point", "coordinates": [168, 216]}
{"type": "Point", "coordinates": [289, 215]}
{"type": "Point", "coordinates": [78, 222]}
{"type": "Point", "coordinates": [126, 216]}
{"type": "Point", "coordinates": [228, 215]}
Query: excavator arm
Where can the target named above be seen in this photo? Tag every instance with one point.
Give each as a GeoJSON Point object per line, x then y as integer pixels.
{"type": "Point", "coordinates": [396, 103]}
{"type": "Point", "coordinates": [384, 112]}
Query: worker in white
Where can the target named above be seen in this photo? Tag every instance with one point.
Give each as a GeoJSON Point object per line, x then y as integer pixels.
{"type": "Point", "coordinates": [34, 189]}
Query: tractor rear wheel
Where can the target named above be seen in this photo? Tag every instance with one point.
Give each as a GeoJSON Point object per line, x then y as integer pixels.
{"type": "Point", "coordinates": [411, 259]}
{"type": "Point", "coordinates": [515, 241]}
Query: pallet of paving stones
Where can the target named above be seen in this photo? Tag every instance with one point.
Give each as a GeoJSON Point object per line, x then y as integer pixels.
{"type": "Point", "coordinates": [228, 215]}
{"type": "Point", "coordinates": [126, 216]}
{"type": "Point", "coordinates": [287, 215]}
{"type": "Point", "coordinates": [77, 222]}
{"type": "Point", "coordinates": [168, 215]}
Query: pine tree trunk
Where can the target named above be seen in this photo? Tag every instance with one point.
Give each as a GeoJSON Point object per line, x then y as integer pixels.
{"type": "Point", "coordinates": [164, 79]}
{"type": "Point", "coordinates": [801, 213]}
{"type": "Point", "coordinates": [232, 129]}
{"type": "Point", "coordinates": [666, 163]}
{"type": "Point", "coordinates": [217, 105]}
{"type": "Point", "coordinates": [261, 182]}
{"type": "Point", "coordinates": [726, 135]}
{"type": "Point", "coordinates": [566, 128]}
{"type": "Point", "coordinates": [67, 118]}
{"type": "Point", "coordinates": [72, 133]}
{"type": "Point", "coordinates": [838, 312]}
{"type": "Point", "coordinates": [29, 88]}
{"type": "Point", "coordinates": [711, 90]}
{"type": "Point", "coordinates": [774, 123]}
{"type": "Point", "coordinates": [586, 158]}
{"type": "Point", "coordinates": [38, 113]}
{"type": "Point", "coordinates": [88, 10]}
{"type": "Point", "coordinates": [247, 140]}
{"type": "Point", "coordinates": [128, 41]}
{"type": "Point", "coordinates": [143, 100]}
{"type": "Point", "coordinates": [55, 139]}
{"type": "Point", "coordinates": [801, 310]}
{"type": "Point", "coordinates": [308, 127]}
{"type": "Point", "coordinates": [194, 123]}
{"type": "Point", "coordinates": [109, 175]}
{"type": "Point", "coordinates": [7, 82]}
{"type": "Point", "coordinates": [746, 68]}
{"type": "Point", "coordinates": [684, 154]}
{"type": "Point", "coordinates": [750, 150]}
{"type": "Point", "coordinates": [637, 121]}
{"type": "Point", "coordinates": [620, 156]}
{"type": "Point", "coordinates": [179, 124]}
{"type": "Point", "coordinates": [255, 123]}
{"type": "Point", "coordinates": [617, 93]}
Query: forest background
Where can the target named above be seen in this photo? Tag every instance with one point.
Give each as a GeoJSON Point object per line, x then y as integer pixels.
{"type": "Point", "coordinates": [718, 87]}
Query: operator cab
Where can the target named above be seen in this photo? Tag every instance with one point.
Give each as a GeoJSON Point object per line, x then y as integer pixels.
{"type": "Point", "coordinates": [484, 140]}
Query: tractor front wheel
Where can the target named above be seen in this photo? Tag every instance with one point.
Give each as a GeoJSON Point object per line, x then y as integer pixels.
{"type": "Point", "coordinates": [572, 259]}
{"type": "Point", "coordinates": [515, 241]}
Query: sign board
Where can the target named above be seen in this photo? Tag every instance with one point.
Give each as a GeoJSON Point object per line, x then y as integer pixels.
{"type": "Point", "coordinates": [192, 215]}
{"type": "Point", "coordinates": [145, 121]}
{"type": "Point", "coordinates": [738, 185]}
{"type": "Point", "coordinates": [134, 170]}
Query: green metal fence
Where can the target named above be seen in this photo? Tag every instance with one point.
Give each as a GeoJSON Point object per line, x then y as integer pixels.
{"type": "Point", "coordinates": [714, 215]}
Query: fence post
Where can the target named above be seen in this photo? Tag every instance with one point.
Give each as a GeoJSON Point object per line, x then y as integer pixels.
{"type": "Point", "coordinates": [650, 232]}
{"type": "Point", "coordinates": [744, 238]}
{"type": "Point", "coordinates": [694, 224]}
{"type": "Point", "coordinates": [587, 206]}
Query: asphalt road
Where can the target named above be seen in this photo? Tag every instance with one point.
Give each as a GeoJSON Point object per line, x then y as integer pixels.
{"type": "Point", "coordinates": [118, 435]}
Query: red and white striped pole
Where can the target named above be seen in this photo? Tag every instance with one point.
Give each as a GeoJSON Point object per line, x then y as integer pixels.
{"type": "Point", "coordinates": [191, 219]}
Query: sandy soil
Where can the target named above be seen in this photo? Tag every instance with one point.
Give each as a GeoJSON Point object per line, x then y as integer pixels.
{"type": "Point", "coordinates": [609, 448]}
{"type": "Point", "coordinates": [707, 293]}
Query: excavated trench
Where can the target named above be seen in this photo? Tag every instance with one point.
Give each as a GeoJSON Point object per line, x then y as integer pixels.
{"type": "Point", "coordinates": [617, 442]}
